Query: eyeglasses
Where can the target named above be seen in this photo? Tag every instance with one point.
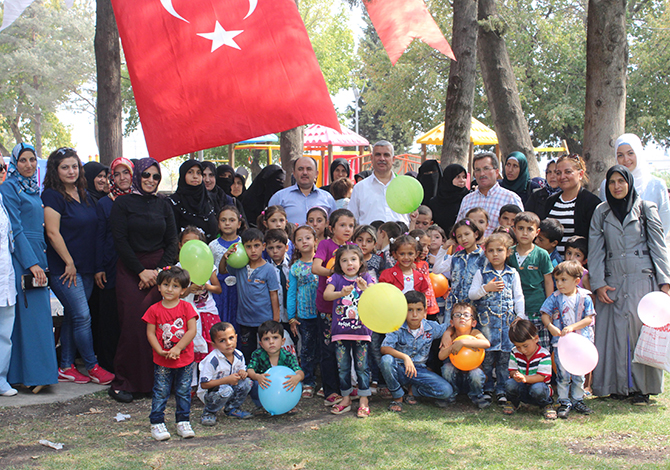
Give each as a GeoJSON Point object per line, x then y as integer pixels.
{"type": "Point", "coordinates": [147, 175]}
{"type": "Point", "coordinates": [464, 315]}
{"type": "Point", "coordinates": [485, 169]}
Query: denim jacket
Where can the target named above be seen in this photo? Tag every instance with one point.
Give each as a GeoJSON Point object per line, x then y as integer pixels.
{"type": "Point", "coordinates": [403, 340]}
{"type": "Point", "coordinates": [463, 269]}
{"type": "Point", "coordinates": [495, 311]}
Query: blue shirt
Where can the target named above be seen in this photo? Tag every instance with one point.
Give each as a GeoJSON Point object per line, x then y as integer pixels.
{"type": "Point", "coordinates": [418, 347]}
{"type": "Point", "coordinates": [253, 293]}
{"type": "Point", "coordinates": [296, 204]}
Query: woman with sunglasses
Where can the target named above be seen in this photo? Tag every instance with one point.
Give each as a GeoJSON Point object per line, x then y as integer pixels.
{"type": "Point", "coordinates": [71, 222]}
{"type": "Point", "coordinates": [145, 238]}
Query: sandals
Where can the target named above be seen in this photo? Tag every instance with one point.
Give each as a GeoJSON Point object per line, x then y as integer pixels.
{"type": "Point", "coordinates": [307, 391]}
{"type": "Point", "coordinates": [333, 399]}
{"type": "Point", "coordinates": [549, 412]}
{"type": "Point", "coordinates": [363, 411]}
{"type": "Point", "coordinates": [410, 400]}
{"type": "Point", "coordinates": [507, 408]}
{"type": "Point", "coordinates": [340, 409]}
{"type": "Point", "coordinates": [384, 392]}
{"type": "Point", "coordinates": [395, 406]}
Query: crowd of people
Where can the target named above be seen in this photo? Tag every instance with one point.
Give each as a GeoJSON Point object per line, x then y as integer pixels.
{"type": "Point", "coordinates": [515, 250]}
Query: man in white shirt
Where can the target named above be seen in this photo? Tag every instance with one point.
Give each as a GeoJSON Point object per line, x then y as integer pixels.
{"type": "Point", "coordinates": [368, 199]}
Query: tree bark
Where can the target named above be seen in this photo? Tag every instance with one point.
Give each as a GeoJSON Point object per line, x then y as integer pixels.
{"type": "Point", "coordinates": [500, 83]}
{"type": "Point", "coordinates": [108, 64]}
{"type": "Point", "coordinates": [606, 63]}
{"type": "Point", "coordinates": [461, 87]}
{"type": "Point", "coordinates": [290, 147]}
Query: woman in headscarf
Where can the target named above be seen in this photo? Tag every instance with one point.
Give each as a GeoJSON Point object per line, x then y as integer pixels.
{"type": "Point", "coordinates": [628, 258]}
{"type": "Point", "coordinates": [538, 198]}
{"type": "Point", "coordinates": [192, 203]}
{"type": "Point", "coordinates": [339, 168]}
{"type": "Point", "coordinates": [630, 154]}
{"type": "Point", "coordinates": [516, 177]}
{"type": "Point", "coordinates": [255, 199]}
{"type": "Point", "coordinates": [429, 176]}
{"type": "Point", "coordinates": [224, 177]}
{"type": "Point", "coordinates": [145, 237]}
{"type": "Point", "coordinates": [97, 179]}
{"type": "Point", "coordinates": [33, 357]}
{"type": "Point", "coordinates": [358, 177]}
{"type": "Point", "coordinates": [450, 193]}
{"type": "Point", "coordinates": [239, 186]}
{"type": "Point", "coordinates": [218, 195]}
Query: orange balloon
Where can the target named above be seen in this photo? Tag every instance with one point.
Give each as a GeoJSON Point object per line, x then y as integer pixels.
{"type": "Point", "coordinates": [467, 358]}
{"type": "Point", "coordinates": [440, 284]}
{"type": "Point", "coordinates": [330, 263]}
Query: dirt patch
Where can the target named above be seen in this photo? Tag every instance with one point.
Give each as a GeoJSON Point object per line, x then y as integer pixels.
{"type": "Point", "coordinates": [624, 446]}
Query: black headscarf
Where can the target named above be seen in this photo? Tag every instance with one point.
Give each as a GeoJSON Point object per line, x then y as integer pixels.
{"type": "Point", "coordinates": [194, 199]}
{"type": "Point", "coordinates": [255, 199]}
{"type": "Point", "coordinates": [242, 177]}
{"type": "Point", "coordinates": [217, 194]}
{"type": "Point", "coordinates": [93, 169]}
{"type": "Point", "coordinates": [621, 207]}
{"type": "Point", "coordinates": [430, 173]}
{"type": "Point", "coordinates": [224, 183]}
{"type": "Point", "coordinates": [333, 166]}
{"type": "Point", "coordinates": [362, 175]}
{"type": "Point", "coordinates": [447, 202]}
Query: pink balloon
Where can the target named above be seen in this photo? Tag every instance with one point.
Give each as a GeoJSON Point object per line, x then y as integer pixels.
{"type": "Point", "coordinates": [654, 309]}
{"type": "Point", "coordinates": [577, 354]}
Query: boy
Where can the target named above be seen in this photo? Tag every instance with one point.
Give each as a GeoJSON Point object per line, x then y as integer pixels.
{"type": "Point", "coordinates": [341, 191]}
{"type": "Point", "coordinates": [534, 267]}
{"type": "Point", "coordinates": [507, 214]}
{"type": "Point", "coordinates": [570, 309]}
{"type": "Point", "coordinates": [577, 248]}
{"type": "Point", "coordinates": [463, 322]}
{"type": "Point", "coordinates": [551, 234]}
{"type": "Point", "coordinates": [276, 246]}
{"type": "Point", "coordinates": [257, 290]}
{"type": "Point", "coordinates": [386, 232]}
{"type": "Point", "coordinates": [272, 354]}
{"type": "Point", "coordinates": [223, 376]}
{"type": "Point", "coordinates": [424, 219]}
{"type": "Point", "coordinates": [529, 370]}
{"type": "Point", "coordinates": [171, 327]}
{"type": "Point", "coordinates": [405, 353]}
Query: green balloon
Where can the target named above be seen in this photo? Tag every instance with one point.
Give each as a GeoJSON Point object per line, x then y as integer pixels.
{"type": "Point", "coordinates": [238, 259]}
{"type": "Point", "coordinates": [404, 194]}
{"type": "Point", "coordinates": [196, 257]}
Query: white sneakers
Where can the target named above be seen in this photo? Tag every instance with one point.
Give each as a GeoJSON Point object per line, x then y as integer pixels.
{"type": "Point", "coordinates": [160, 432]}
{"type": "Point", "coordinates": [9, 393]}
{"type": "Point", "coordinates": [184, 429]}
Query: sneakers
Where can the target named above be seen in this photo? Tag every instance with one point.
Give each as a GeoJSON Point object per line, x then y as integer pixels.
{"type": "Point", "coordinates": [160, 432]}
{"type": "Point", "coordinates": [482, 403]}
{"type": "Point", "coordinates": [581, 408]}
{"type": "Point", "coordinates": [184, 429]}
{"type": "Point", "coordinates": [100, 376]}
{"type": "Point", "coordinates": [564, 410]}
{"type": "Point", "coordinates": [208, 420]}
{"type": "Point", "coordinates": [549, 412]}
{"type": "Point", "coordinates": [239, 414]}
{"type": "Point", "coordinates": [640, 399]}
{"type": "Point", "coordinates": [71, 374]}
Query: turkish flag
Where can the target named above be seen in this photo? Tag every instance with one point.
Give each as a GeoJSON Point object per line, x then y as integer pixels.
{"type": "Point", "coordinates": [207, 73]}
{"type": "Point", "coordinates": [399, 22]}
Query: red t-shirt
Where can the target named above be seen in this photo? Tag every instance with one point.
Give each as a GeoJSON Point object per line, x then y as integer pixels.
{"type": "Point", "coordinates": [171, 326]}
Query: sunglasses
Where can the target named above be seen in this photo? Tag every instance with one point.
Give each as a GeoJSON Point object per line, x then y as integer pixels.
{"type": "Point", "coordinates": [146, 175]}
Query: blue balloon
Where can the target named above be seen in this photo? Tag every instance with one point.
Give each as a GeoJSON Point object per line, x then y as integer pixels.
{"type": "Point", "coordinates": [276, 399]}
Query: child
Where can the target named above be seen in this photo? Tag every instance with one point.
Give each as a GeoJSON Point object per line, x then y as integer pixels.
{"type": "Point", "coordinates": [551, 234]}
{"type": "Point", "coordinates": [230, 224]}
{"type": "Point", "coordinates": [301, 304]}
{"type": "Point", "coordinates": [274, 217]}
{"type": "Point", "coordinates": [351, 337]}
{"type": "Point", "coordinates": [276, 245]}
{"type": "Point", "coordinates": [421, 265]}
{"type": "Point", "coordinates": [272, 354]}
{"type": "Point", "coordinates": [534, 267]}
{"type": "Point", "coordinates": [496, 290]}
{"type": "Point", "coordinates": [463, 322]}
{"type": "Point", "coordinates": [405, 352]}
{"type": "Point", "coordinates": [365, 237]}
{"type": "Point", "coordinates": [171, 327]}
{"type": "Point", "coordinates": [480, 217]}
{"type": "Point", "coordinates": [317, 218]}
{"type": "Point", "coordinates": [437, 238]}
{"type": "Point", "coordinates": [341, 191]}
{"type": "Point", "coordinates": [570, 309]}
{"type": "Point", "coordinates": [387, 232]}
{"type": "Point", "coordinates": [507, 214]}
{"type": "Point", "coordinates": [529, 371]}
{"type": "Point", "coordinates": [404, 274]}
{"type": "Point", "coordinates": [257, 289]}
{"type": "Point", "coordinates": [424, 219]}
{"type": "Point", "coordinates": [577, 248]}
{"type": "Point", "coordinates": [342, 223]}
{"type": "Point", "coordinates": [223, 377]}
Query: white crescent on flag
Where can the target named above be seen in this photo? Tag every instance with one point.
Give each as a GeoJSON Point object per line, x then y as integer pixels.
{"type": "Point", "coordinates": [167, 4]}
{"type": "Point", "coordinates": [252, 7]}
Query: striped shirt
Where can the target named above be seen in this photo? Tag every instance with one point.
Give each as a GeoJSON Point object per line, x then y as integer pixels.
{"type": "Point", "coordinates": [539, 363]}
{"type": "Point", "coordinates": [492, 202]}
{"type": "Point", "coordinates": [564, 212]}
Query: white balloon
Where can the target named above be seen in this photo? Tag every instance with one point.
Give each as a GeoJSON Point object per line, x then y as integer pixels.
{"type": "Point", "coordinates": [577, 354]}
{"type": "Point", "coordinates": [654, 309]}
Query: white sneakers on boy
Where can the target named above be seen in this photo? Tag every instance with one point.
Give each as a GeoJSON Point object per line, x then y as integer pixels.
{"type": "Point", "coordinates": [184, 429]}
{"type": "Point", "coordinates": [160, 432]}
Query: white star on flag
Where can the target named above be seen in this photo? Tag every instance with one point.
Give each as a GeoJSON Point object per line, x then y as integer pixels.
{"type": "Point", "coordinates": [221, 37]}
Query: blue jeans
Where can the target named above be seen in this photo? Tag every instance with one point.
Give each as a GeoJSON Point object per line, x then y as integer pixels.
{"type": "Point", "coordinates": [470, 381]}
{"type": "Point", "coordinates": [533, 394]}
{"type": "Point", "coordinates": [425, 384]}
{"type": "Point", "coordinates": [570, 387]}
{"type": "Point", "coordinates": [6, 328]}
{"type": "Point", "coordinates": [376, 357]}
{"type": "Point", "coordinates": [226, 397]}
{"type": "Point", "coordinates": [76, 328]}
{"type": "Point", "coordinates": [163, 378]}
{"type": "Point", "coordinates": [500, 361]}
{"type": "Point", "coordinates": [309, 349]}
{"type": "Point", "coordinates": [345, 350]}
{"type": "Point", "coordinates": [329, 378]}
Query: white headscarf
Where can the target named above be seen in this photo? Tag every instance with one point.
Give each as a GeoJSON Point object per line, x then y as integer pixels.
{"type": "Point", "coordinates": [641, 173]}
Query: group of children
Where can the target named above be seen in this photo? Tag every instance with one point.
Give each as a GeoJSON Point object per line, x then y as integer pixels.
{"type": "Point", "coordinates": [302, 285]}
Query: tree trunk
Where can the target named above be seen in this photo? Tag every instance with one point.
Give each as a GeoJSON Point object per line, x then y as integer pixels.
{"type": "Point", "coordinates": [606, 63]}
{"type": "Point", "coordinates": [290, 147]}
{"type": "Point", "coordinates": [37, 128]}
{"type": "Point", "coordinates": [108, 63]}
{"type": "Point", "coordinates": [500, 83]}
{"type": "Point", "coordinates": [461, 87]}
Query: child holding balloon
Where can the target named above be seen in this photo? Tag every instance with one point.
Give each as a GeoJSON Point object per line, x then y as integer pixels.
{"type": "Point", "coordinates": [568, 310]}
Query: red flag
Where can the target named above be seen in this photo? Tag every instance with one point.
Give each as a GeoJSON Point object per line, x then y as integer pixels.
{"type": "Point", "coordinates": [399, 22]}
{"type": "Point", "coordinates": [207, 73]}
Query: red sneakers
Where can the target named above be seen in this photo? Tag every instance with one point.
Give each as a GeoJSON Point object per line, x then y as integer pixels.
{"type": "Point", "coordinates": [100, 376]}
{"type": "Point", "coordinates": [71, 374]}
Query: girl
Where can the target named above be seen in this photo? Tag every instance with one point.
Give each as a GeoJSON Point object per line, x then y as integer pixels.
{"type": "Point", "coordinates": [365, 237]}
{"type": "Point", "coordinates": [230, 224]}
{"type": "Point", "coordinates": [341, 224]}
{"type": "Point", "coordinates": [422, 266]}
{"type": "Point", "coordinates": [480, 217]}
{"type": "Point", "coordinates": [301, 304]}
{"type": "Point", "coordinates": [274, 217]}
{"type": "Point", "coordinates": [497, 295]}
{"type": "Point", "coordinates": [351, 337]}
{"type": "Point", "coordinates": [404, 274]}
{"type": "Point", "coordinates": [317, 218]}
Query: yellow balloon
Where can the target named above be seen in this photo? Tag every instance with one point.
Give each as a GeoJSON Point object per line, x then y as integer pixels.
{"type": "Point", "coordinates": [382, 308]}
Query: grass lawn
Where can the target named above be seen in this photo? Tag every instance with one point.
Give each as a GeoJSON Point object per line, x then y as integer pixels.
{"type": "Point", "coordinates": [617, 435]}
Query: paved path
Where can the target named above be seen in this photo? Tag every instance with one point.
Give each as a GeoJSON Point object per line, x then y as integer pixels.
{"type": "Point", "coordinates": [62, 391]}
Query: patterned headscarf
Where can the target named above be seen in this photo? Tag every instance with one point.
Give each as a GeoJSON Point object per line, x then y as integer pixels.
{"type": "Point", "coordinates": [29, 185]}
{"type": "Point", "coordinates": [143, 165]}
{"type": "Point", "coordinates": [114, 190]}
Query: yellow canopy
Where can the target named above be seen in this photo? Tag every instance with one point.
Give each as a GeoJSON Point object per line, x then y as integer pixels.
{"type": "Point", "coordinates": [479, 135]}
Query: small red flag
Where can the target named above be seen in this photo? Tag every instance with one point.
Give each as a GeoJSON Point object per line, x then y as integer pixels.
{"type": "Point", "coordinates": [207, 73]}
{"type": "Point", "coordinates": [399, 22]}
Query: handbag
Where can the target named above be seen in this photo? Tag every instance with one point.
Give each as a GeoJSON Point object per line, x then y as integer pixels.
{"type": "Point", "coordinates": [653, 347]}
{"type": "Point", "coordinates": [28, 282]}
